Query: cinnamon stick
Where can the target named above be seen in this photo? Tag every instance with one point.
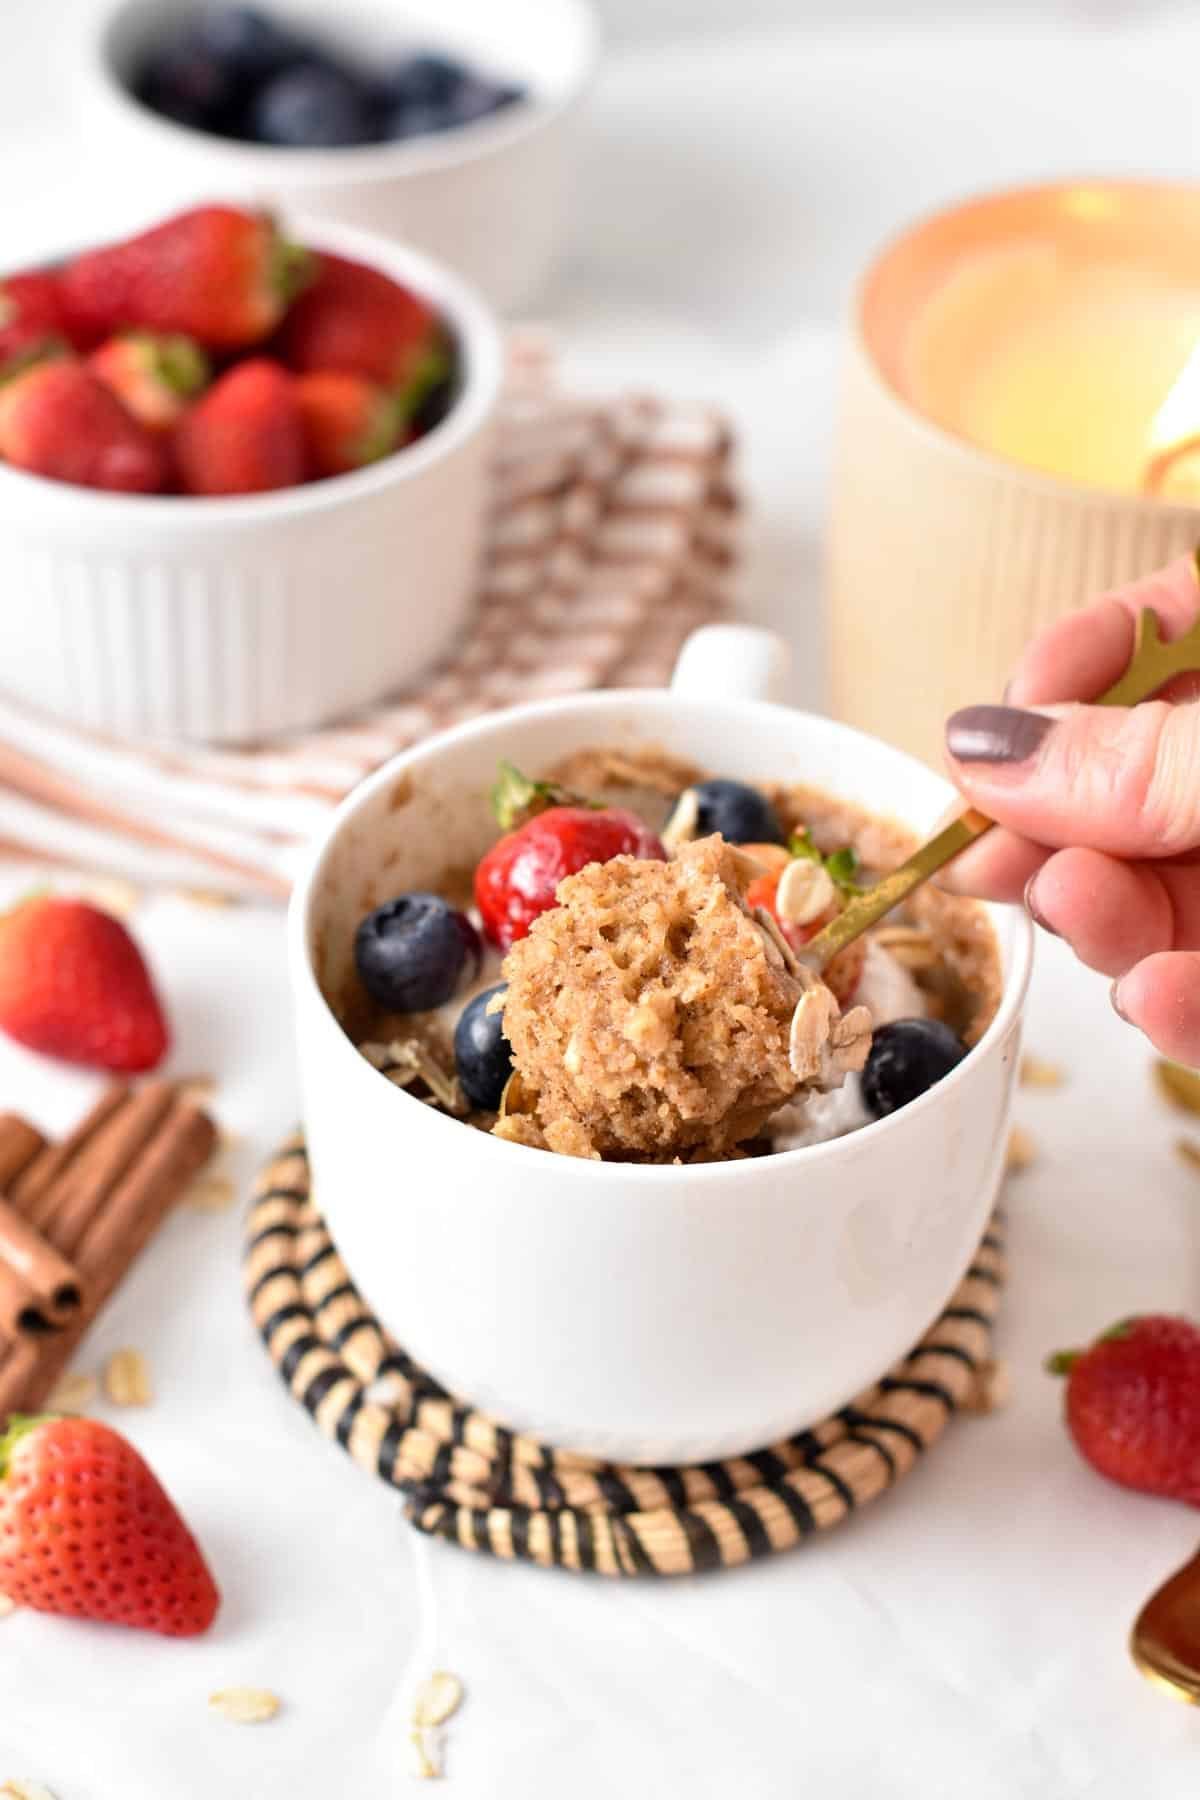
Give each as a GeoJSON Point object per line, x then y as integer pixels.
{"type": "Point", "coordinates": [20, 1142]}
{"type": "Point", "coordinates": [118, 1229]}
{"type": "Point", "coordinates": [39, 1289]}
{"type": "Point", "coordinates": [70, 1201]}
{"type": "Point", "coordinates": [29, 1190]}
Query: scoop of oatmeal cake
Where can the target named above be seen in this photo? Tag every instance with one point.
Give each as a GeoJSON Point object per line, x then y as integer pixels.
{"type": "Point", "coordinates": [651, 1014]}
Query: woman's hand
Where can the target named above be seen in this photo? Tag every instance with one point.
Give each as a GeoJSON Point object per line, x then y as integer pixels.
{"type": "Point", "coordinates": [1100, 807]}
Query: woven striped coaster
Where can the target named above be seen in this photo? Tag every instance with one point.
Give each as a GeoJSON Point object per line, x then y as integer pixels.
{"type": "Point", "coordinates": [467, 1478]}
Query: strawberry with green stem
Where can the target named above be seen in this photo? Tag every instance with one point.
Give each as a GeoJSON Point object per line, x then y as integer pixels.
{"type": "Point", "coordinates": [74, 985]}
{"type": "Point", "coordinates": [220, 274]}
{"type": "Point", "coordinates": [154, 375]}
{"type": "Point", "coordinates": [1133, 1404]}
{"type": "Point", "coordinates": [88, 1532]}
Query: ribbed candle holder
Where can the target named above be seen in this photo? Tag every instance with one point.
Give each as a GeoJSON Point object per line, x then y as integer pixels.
{"type": "Point", "coordinates": [944, 559]}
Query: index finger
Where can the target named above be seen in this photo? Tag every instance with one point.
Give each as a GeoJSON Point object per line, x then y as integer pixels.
{"type": "Point", "coordinates": [1080, 656]}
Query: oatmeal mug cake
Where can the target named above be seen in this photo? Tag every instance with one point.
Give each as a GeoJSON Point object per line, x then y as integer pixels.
{"type": "Point", "coordinates": [618, 979]}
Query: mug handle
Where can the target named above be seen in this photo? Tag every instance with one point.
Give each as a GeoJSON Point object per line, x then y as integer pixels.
{"type": "Point", "coordinates": [732, 662]}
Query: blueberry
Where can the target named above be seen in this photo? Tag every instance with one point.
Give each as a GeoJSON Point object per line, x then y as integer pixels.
{"type": "Point", "coordinates": [250, 44]}
{"type": "Point", "coordinates": [409, 121]}
{"type": "Point", "coordinates": [411, 952]}
{"type": "Point", "coordinates": [475, 99]}
{"type": "Point", "coordinates": [906, 1058]}
{"type": "Point", "coordinates": [482, 1053]}
{"type": "Point", "coordinates": [185, 82]}
{"type": "Point", "coordinates": [741, 814]}
{"type": "Point", "coordinates": [313, 107]}
{"type": "Point", "coordinates": [423, 79]}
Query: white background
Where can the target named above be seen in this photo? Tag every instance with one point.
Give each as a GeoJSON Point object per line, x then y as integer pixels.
{"type": "Point", "coordinates": [966, 1635]}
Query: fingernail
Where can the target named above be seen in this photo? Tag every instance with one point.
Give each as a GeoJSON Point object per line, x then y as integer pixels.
{"type": "Point", "coordinates": [1114, 994]}
{"type": "Point", "coordinates": [995, 734]}
{"type": "Point", "coordinates": [1034, 910]}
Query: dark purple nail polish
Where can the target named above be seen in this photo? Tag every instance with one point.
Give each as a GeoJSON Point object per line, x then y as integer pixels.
{"type": "Point", "coordinates": [995, 734]}
{"type": "Point", "coordinates": [1034, 910]}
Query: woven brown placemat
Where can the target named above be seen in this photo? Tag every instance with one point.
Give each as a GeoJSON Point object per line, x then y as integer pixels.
{"type": "Point", "coordinates": [467, 1478]}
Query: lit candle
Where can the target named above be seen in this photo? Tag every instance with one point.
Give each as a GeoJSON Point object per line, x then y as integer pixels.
{"type": "Point", "coordinates": [1021, 430]}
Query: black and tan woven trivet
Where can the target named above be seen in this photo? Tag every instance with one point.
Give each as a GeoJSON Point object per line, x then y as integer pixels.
{"type": "Point", "coordinates": [468, 1479]}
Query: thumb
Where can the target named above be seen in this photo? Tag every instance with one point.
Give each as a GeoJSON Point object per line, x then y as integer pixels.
{"type": "Point", "coordinates": [1124, 780]}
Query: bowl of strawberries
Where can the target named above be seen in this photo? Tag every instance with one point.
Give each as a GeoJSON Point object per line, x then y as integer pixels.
{"type": "Point", "coordinates": [242, 474]}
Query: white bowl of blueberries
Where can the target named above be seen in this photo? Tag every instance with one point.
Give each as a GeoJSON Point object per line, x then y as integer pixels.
{"type": "Point", "coordinates": [447, 123]}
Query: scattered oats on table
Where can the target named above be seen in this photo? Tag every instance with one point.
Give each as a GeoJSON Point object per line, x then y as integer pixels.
{"type": "Point", "coordinates": [1178, 1085]}
{"type": "Point", "coordinates": [206, 897]}
{"type": "Point", "coordinates": [127, 1379]}
{"type": "Point", "coordinates": [26, 1790]}
{"type": "Point", "coordinates": [435, 1701]}
{"type": "Point", "coordinates": [245, 1705]}
{"type": "Point", "coordinates": [72, 1394]}
{"type": "Point", "coordinates": [112, 895]}
{"type": "Point", "coordinates": [1022, 1151]}
{"type": "Point", "coordinates": [1189, 1150]}
{"type": "Point", "coordinates": [210, 1194]}
{"type": "Point", "coordinates": [1038, 1074]}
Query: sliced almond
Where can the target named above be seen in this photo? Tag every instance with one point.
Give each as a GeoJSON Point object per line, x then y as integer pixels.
{"type": "Point", "coordinates": [437, 1698]}
{"type": "Point", "coordinates": [1038, 1074]}
{"type": "Point", "coordinates": [1022, 1151]}
{"type": "Point", "coordinates": [8, 1606]}
{"type": "Point", "coordinates": [1179, 1085]}
{"type": "Point", "coordinates": [127, 1379]}
{"type": "Point", "coordinates": [245, 1705]}
{"type": "Point", "coordinates": [72, 1394]}
{"type": "Point", "coordinates": [805, 891]}
{"type": "Point", "coordinates": [682, 825]}
{"type": "Point", "coordinates": [211, 1194]}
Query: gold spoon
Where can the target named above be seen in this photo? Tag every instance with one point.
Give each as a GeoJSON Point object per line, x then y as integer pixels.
{"type": "Point", "coordinates": [1151, 666]}
{"type": "Point", "coordinates": [1165, 1640]}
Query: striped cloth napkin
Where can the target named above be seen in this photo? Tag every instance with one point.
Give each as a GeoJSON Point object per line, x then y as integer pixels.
{"type": "Point", "coordinates": [613, 534]}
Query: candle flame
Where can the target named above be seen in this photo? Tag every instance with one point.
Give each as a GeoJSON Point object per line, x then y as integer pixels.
{"type": "Point", "coordinates": [1175, 437]}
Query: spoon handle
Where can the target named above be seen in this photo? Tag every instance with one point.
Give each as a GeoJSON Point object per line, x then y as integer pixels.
{"type": "Point", "coordinates": [1154, 662]}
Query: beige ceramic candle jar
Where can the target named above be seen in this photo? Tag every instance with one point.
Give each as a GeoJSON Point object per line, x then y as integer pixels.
{"type": "Point", "coordinates": [946, 552]}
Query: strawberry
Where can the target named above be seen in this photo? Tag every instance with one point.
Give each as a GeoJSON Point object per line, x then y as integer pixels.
{"type": "Point", "coordinates": [245, 435]}
{"type": "Point", "coordinates": [360, 322]}
{"type": "Point", "coordinates": [218, 274]}
{"type": "Point", "coordinates": [843, 974]}
{"type": "Point", "coordinates": [87, 1532]}
{"type": "Point", "coordinates": [348, 421]}
{"type": "Point", "coordinates": [32, 316]}
{"type": "Point", "coordinates": [58, 419]}
{"type": "Point", "coordinates": [1133, 1404]}
{"type": "Point", "coordinates": [517, 879]}
{"type": "Point", "coordinates": [73, 985]}
{"type": "Point", "coordinates": [152, 376]}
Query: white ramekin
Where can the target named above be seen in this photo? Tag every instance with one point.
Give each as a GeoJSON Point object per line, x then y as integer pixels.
{"type": "Point", "coordinates": [645, 1313]}
{"type": "Point", "coordinates": [168, 616]}
{"type": "Point", "coordinates": [489, 199]}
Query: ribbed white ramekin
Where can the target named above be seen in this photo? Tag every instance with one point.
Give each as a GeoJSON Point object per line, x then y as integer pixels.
{"type": "Point", "coordinates": [228, 619]}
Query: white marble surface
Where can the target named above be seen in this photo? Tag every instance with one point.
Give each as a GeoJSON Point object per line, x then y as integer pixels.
{"type": "Point", "coordinates": [966, 1635]}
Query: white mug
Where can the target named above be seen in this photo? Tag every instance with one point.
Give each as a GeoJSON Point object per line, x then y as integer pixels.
{"type": "Point", "coordinates": [641, 1313]}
